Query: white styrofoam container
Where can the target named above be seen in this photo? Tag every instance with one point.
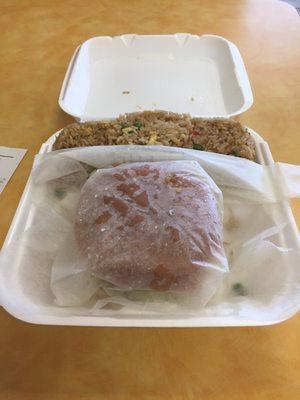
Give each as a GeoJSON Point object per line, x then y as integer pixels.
{"type": "Point", "coordinates": [200, 75]}
{"type": "Point", "coordinates": [219, 88]}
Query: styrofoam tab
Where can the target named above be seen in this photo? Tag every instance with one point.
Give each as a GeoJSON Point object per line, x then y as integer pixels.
{"type": "Point", "coordinates": [127, 39]}
{"type": "Point", "coordinates": [182, 38]}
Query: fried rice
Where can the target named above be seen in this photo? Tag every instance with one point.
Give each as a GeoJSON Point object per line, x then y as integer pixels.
{"type": "Point", "coordinates": [217, 135]}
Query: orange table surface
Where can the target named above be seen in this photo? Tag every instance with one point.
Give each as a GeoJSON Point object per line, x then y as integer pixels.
{"type": "Point", "coordinates": [58, 363]}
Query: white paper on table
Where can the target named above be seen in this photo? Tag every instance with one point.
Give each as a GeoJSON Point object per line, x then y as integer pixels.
{"type": "Point", "coordinates": [9, 160]}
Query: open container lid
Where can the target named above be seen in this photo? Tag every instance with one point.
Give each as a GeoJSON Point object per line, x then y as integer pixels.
{"type": "Point", "coordinates": [201, 75]}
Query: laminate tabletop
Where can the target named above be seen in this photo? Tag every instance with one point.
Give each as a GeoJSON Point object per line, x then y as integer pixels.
{"type": "Point", "coordinates": [58, 363]}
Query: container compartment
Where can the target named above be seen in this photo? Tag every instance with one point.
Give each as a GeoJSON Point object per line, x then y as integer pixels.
{"type": "Point", "coordinates": [201, 75]}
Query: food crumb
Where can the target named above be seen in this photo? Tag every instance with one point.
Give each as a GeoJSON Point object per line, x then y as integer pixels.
{"type": "Point", "coordinates": [126, 92]}
{"type": "Point", "coordinates": [198, 147]}
{"type": "Point", "coordinates": [232, 223]}
{"type": "Point", "coordinates": [192, 98]}
{"type": "Point", "coordinates": [60, 193]}
{"type": "Point", "coordinates": [239, 290]}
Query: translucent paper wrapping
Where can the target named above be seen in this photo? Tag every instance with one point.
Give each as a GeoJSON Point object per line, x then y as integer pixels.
{"type": "Point", "coordinates": [260, 276]}
{"type": "Point", "coordinates": [153, 226]}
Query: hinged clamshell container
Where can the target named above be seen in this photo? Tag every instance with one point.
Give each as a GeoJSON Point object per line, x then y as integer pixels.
{"type": "Point", "coordinates": [107, 76]}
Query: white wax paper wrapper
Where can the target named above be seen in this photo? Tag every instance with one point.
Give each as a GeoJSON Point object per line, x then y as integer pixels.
{"type": "Point", "coordinates": [262, 285]}
{"type": "Point", "coordinates": [57, 184]}
{"type": "Point", "coordinates": [254, 236]}
{"type": "Point", "coordinates": [210, 268]}
{"type": "Point", "coordinates": [290, 178]}
{"type": "Point", "coordinates": [71, 282]}
{"type": "Point", "coordinates": [36, 249]}
{"type": "Point", "coordinates": [239, 177]}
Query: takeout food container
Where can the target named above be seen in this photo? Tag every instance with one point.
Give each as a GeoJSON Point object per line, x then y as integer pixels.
{"type": "Point", "coordinates": [203, 76]}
